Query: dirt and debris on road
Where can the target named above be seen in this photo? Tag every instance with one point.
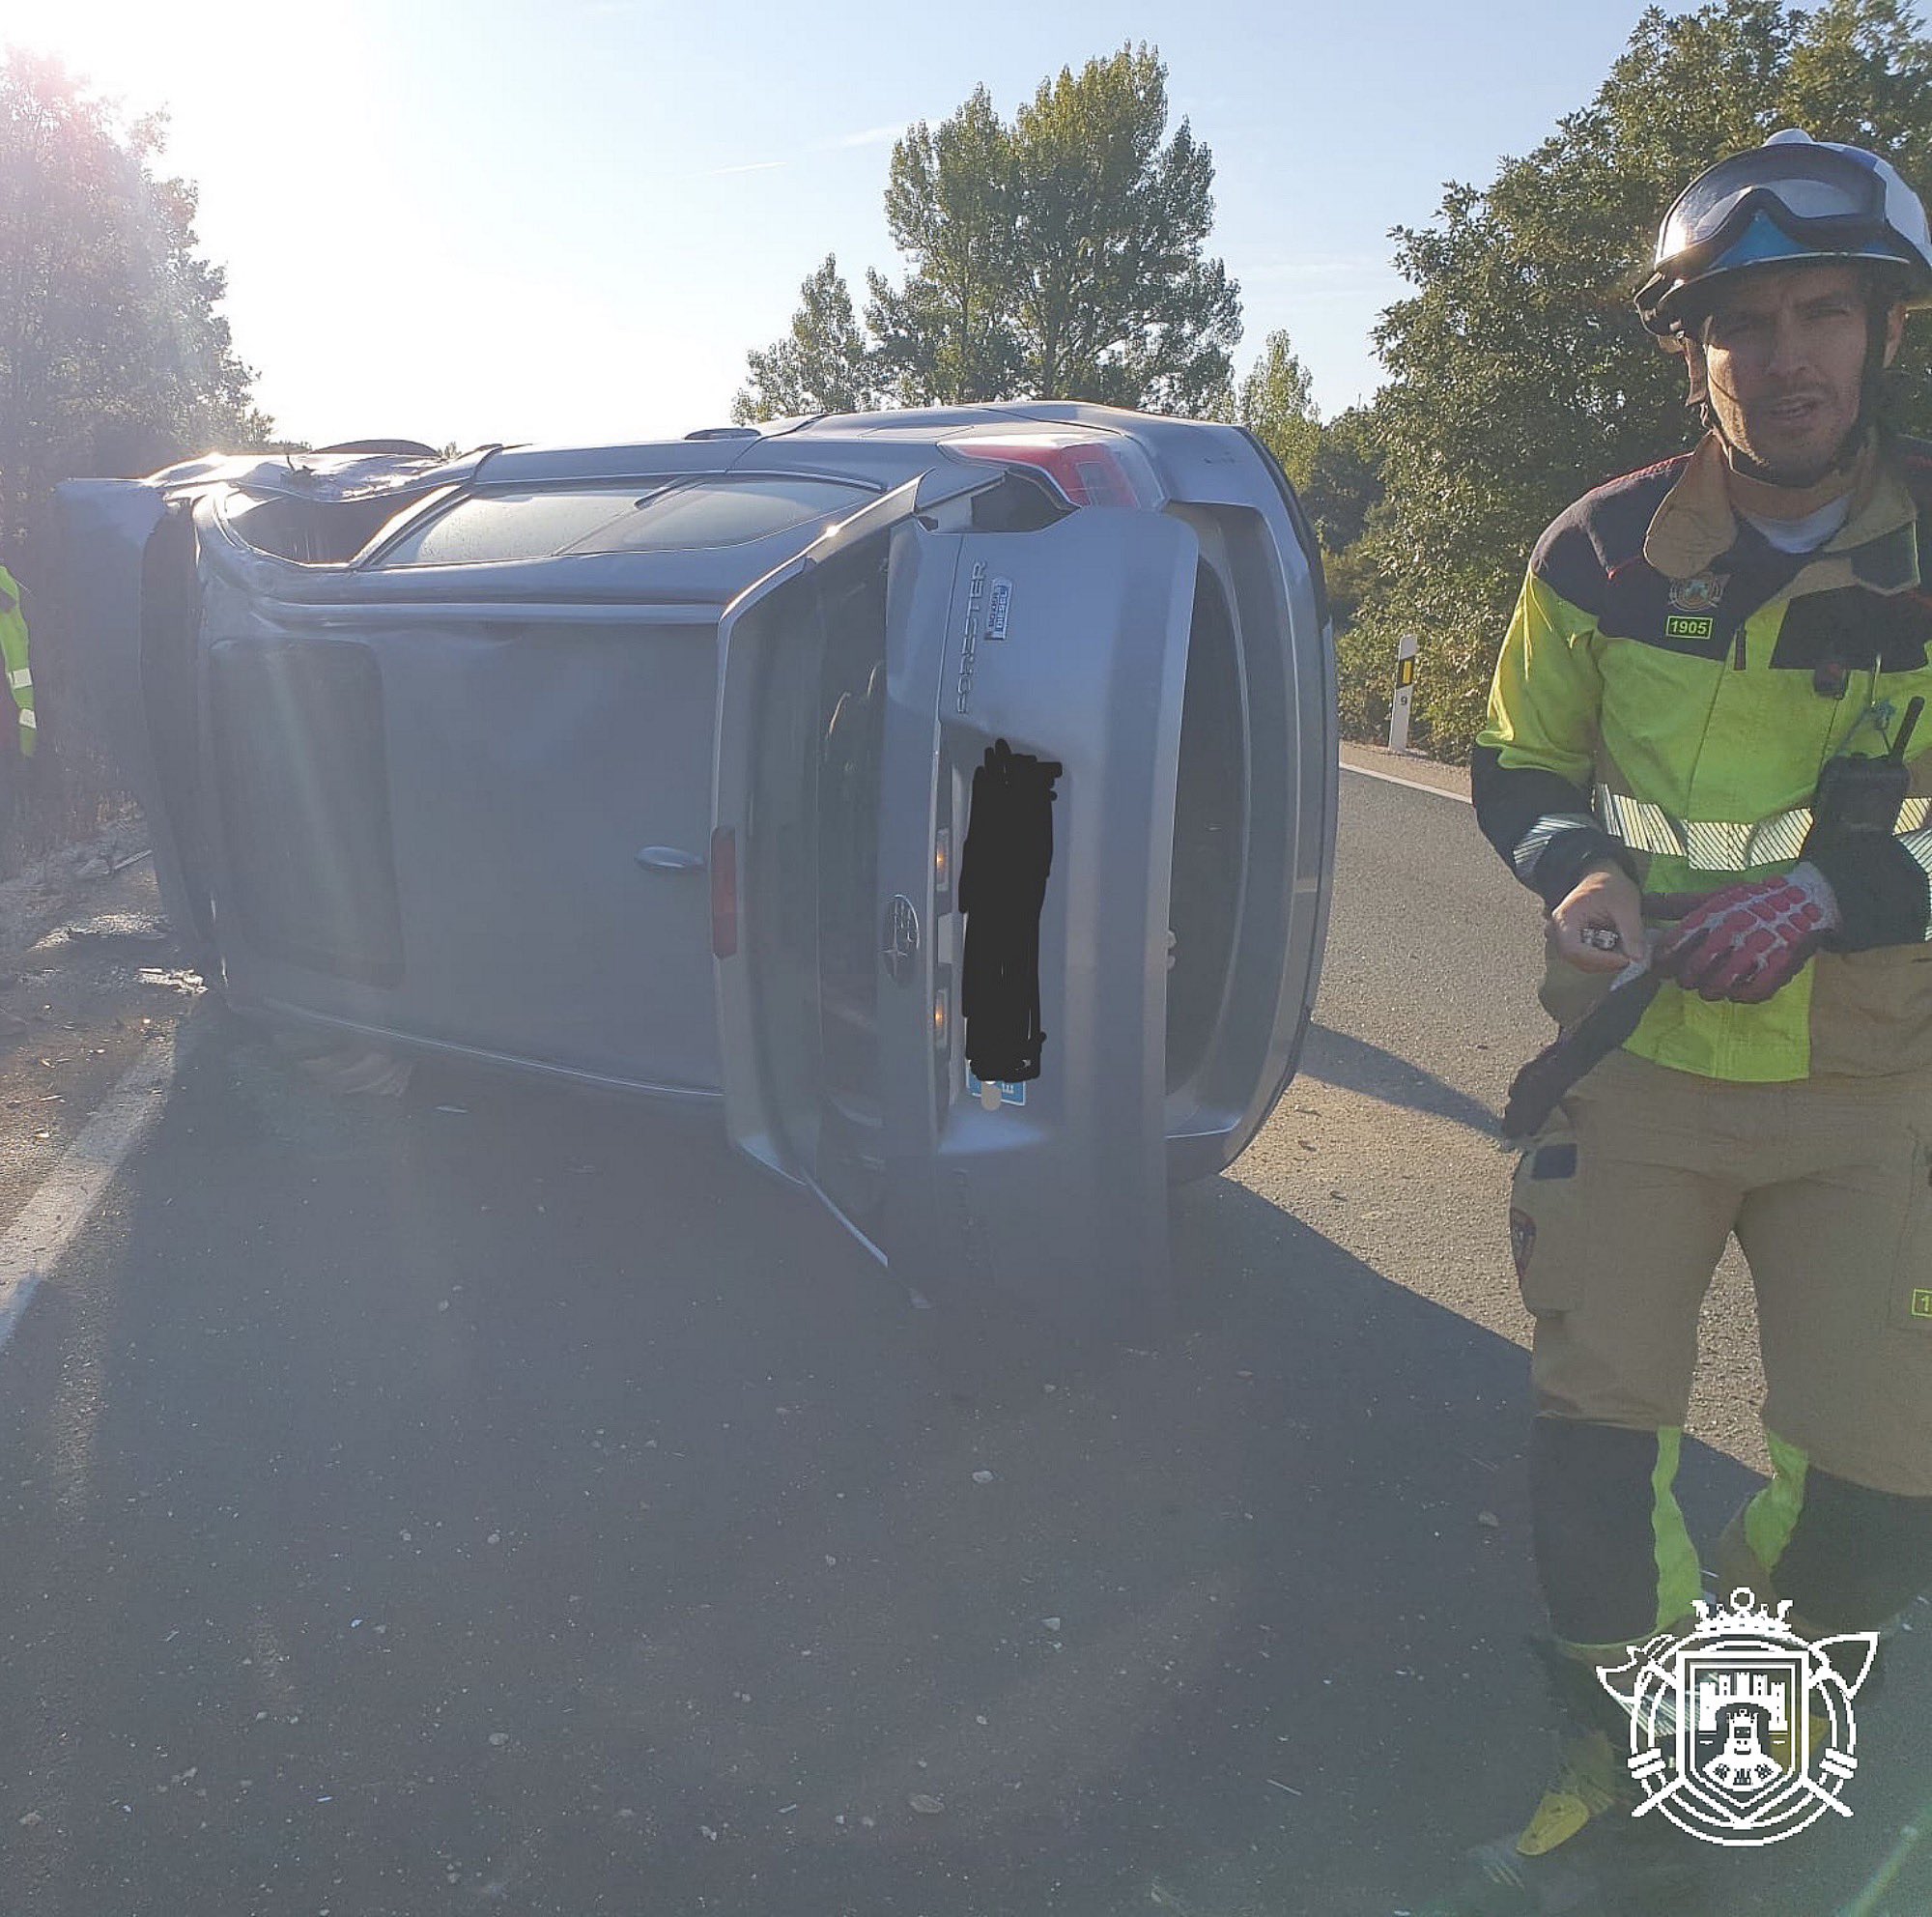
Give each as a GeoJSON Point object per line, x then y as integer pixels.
{"type": "Point", "coordinates": [88, 973]}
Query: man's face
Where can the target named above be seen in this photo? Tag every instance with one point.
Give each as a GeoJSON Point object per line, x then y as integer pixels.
{"type": "Point", "coordinates": [1784, 354]}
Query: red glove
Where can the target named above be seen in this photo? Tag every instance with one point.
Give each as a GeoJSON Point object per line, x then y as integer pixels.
{"type": "Point", "coordinates": [1746, 941]}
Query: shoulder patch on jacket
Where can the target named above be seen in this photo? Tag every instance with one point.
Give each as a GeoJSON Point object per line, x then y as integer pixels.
{"type": "Point", "coordinates": [1585, 546]}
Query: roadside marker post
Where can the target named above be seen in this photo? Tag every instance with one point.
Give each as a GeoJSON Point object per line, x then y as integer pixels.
{"type": "Point", "coordinates": [1404, 685]}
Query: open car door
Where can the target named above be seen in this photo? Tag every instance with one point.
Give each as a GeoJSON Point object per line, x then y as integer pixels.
{"type": "Point", "coordinates": [945, 801]}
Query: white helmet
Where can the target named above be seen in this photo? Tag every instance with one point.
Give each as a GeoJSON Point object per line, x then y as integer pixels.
{"type": "Point", "coordinates": [1793, 199]}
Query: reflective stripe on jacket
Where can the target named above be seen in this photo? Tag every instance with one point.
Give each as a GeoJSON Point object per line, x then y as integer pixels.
{"type": "Point", "coordinates": [1668, 662]}
{"type": "Point", "coordinates": [14, 652]}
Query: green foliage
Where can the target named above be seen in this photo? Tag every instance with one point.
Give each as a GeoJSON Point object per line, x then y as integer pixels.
{"type": "Point", "coordinates": [1349, 575]}
{"type": "Point", "coordinates": [1335, 468]}
{"type": "Point", "coordinates": [113, 360]}
{"type": "Point", "coordinates": [1276, 403]}
{"type": "Point", "coordinates": [945, 337]}
{"type": "Point", "coordinates": [113, 357]}
{"type": "Point", "coordinates": [1059, 256]}
{"type": "Point", "coordinates": [1365, 677]}
{"type": "Point", "coordinates": [823, 365]}
{"type": "Point", "coordinates": [1519, 373]}
{"type": "Point", "coordinates": [1114, 300]}
{"type": "Point", "coordinates": [1344, 479]}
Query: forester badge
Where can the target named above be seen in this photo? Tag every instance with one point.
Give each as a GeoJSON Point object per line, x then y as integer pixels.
{"type": "Point", "coordinates": [1742, 1731]}
{"type": "Point", "coordinates": [1523, 1240]}
{"type": "Point", "coordinates": [1699, 592]}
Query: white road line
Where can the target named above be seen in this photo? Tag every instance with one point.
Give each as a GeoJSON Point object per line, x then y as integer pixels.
{"type": "Point", "coordinates": [66, 1200]}
{"type": "Point", "coordinates": [1413, 785]}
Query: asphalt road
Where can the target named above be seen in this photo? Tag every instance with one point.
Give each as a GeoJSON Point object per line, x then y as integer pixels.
{"type": "Point", "coordinates": [524, 1506]}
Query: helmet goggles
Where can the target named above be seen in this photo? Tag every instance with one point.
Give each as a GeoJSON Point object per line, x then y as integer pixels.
{"type": "Point", "coordinates": [1787, 202]}
{"type": "Point", "coordinates": [1812, 192]}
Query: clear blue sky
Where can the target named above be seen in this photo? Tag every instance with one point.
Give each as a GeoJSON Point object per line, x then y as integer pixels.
{"type": "Point", "coordinates": [506, 219]}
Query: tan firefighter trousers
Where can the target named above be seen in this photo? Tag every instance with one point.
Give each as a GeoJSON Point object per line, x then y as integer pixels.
{"type": "Point", "coordinates": [1620, 1212]}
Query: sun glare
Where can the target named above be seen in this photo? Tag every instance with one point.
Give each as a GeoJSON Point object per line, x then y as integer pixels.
{"type": "Point", "coordinates": [274, 63]}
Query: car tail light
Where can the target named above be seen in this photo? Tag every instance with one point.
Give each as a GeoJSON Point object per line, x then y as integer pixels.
{"type": "Point", "coordinates": [1085, 471]}
{"type": "Point", "coordinates": [723, 893]}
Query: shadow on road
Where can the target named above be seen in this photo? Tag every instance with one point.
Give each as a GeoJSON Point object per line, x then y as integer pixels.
{"type": "Point", "coordinates": [1337, 1059]}
{"type": "Point", "coordinates": [530, 1506]}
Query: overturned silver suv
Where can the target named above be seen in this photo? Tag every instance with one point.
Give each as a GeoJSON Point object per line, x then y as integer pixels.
{"type": "Point", "coordinates": [944, 799]}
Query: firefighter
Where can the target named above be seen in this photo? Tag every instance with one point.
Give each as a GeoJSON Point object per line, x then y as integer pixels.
{"type": "Point", "coordinates": [1700, 716]}
{"type": "Point", "coordinates": [16, 749]}
{"type": "Point", "coordinates": [14, 652]}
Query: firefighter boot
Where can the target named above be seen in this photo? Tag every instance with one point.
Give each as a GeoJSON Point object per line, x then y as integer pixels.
{"type": "Point", "coordinates": [1582, 1853]}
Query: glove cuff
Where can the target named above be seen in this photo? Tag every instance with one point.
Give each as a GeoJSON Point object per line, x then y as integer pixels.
{"type": "Point", "coordinates": [1882, 891]}
{"type": "Point", "coordinates": [1817, 888]}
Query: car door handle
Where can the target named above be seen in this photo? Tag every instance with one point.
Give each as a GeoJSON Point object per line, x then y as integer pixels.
{"type": "Point", "coordinates": [670, 858]}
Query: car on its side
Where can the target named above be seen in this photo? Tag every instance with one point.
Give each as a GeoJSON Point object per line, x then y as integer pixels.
{"type": "Point", "coordinates": [943, 799]}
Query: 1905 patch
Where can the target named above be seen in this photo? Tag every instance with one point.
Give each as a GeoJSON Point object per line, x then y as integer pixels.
{"type": "Point", "coordinates": [1523, 1239]}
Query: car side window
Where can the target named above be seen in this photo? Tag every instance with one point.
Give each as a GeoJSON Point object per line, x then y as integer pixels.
{"type": "Point", "coordinates": [723, 512]}
{"type": "Point", "coordinates": [526, 525]}
{"type": "Point", "coordinates": [568, 523]}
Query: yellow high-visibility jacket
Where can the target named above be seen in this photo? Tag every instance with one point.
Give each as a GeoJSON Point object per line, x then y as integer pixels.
{"type": "Point", "coordinates": [14, 652]}
{"type": "Point", "coordinates": [1669, 691]}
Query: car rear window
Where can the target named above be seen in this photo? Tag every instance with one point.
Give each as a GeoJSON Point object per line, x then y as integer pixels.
{"type": "Point", "coordinates": [551, 523]}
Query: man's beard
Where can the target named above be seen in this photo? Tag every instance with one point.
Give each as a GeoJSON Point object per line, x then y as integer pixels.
{"type": "Point", "coordinates": [1794, 479]}
{"type": "Point", "coordinates": [1790, 474]}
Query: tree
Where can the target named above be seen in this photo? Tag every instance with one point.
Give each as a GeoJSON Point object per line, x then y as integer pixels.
{"type": "Point", "coordinates": [1060, 256]}
{"type": "Point", "coordinates": [1276, 403]}
{"type": "Point", "coordinates": [114, 357]}
{"type": "Point", "coordinates": [1519, 373]}
{"type": "Point", "coordinates": [1113, 298]}
{"type": "Point", "coordinates": [945, 337]}
{"type": "Point", "coordinates": [1344, 479]}
{"type": "Point", "coordinates": [821, 365]}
